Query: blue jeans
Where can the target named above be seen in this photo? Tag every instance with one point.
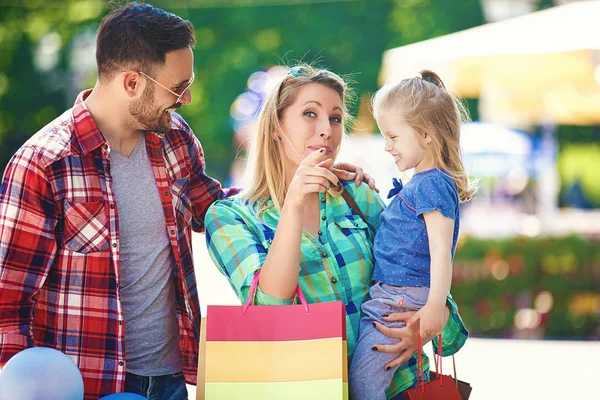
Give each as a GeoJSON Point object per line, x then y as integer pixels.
{"type": "Point", "coordinates": [367, 380]}
{"type": "Point", "coordinates": [162, 387]}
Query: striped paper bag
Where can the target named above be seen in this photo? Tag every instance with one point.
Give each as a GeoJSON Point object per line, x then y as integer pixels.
{"type": "Point", "coordinates": [276, 352]}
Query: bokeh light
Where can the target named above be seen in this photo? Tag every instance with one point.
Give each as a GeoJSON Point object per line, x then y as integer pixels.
{"type": "Point", "coordinates": [247, 105]}
{"type": "Point", "coordinates": [527, 318]}
{"type": "Point", "coordinates": [500, 270]}
{"type": "Point", "coordinates": [47, 52]}
{"type": "Point", "coordinates": [516, 181]}
{"type": "Point", "coordinates": [497, 319]}
{"type": "Point", "coordinates": [544, 302]}
{"type": "Point", "coordinates": [531, 226]}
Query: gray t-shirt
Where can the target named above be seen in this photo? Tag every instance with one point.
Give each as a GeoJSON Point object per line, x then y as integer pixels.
{"type": "Point", "coordinates": [146, 273]}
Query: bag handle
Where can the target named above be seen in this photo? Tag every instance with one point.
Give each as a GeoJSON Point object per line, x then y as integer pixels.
{"type": "Point", "coordinates": [254, 286]}
{"type": "Point", "coordinates": [453, 364]}
{"type": "Point", "coordinates": [420, 371]}
{"type": "Point", "coordinates": [352, 203]}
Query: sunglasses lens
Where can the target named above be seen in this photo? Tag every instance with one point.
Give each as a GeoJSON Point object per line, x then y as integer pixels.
{"type": "Point", "coordinates": [303, 71]}
{"type": "Point", "coordinates": [298, 71]}
{"type": "Point", "coordinates": [187, 89]}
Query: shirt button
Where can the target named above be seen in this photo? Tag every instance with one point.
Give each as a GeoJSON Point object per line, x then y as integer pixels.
{"type": "Point", "coordinates": [356, 224]}
{"type": "Point", "coordinates": [223, 266]}
{"type": "Point", "coordinates": [172, 232]}
{"type": "Point", "coordinates": [114, 244]}
{"type": "Point", "coordinates": [323, 199]}
{"type": "Point", "coordinates": [324, 254]}
{"type": "Point", "coordinates": [323, 217]}
{"type": "Point", "coordinates": [166, 194]}
{"type": "Point", "coordinates": [333, 280]}
{"type": "Point", "coordinates": [120, 322]}
{"type": "Point", "coordinates": [121, 363]}
{"type": "Point", "coordinates": [320, 232]}
{"type": "Point", "coordinates": [157, 153]}
{"type": "Point", "coordinates": [112, 206]}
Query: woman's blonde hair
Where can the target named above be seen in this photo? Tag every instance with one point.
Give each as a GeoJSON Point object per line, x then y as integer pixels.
{"type": "Point", "coordinates": [430, 109]}
{"type": "Point", "coordinates": [265, 166]}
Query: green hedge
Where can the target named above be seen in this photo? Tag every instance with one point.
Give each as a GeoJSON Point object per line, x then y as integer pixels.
{"type": "Point", "coordinates": [494, 279]}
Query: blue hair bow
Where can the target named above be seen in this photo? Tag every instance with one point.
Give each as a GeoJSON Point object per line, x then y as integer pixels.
{"type": "Point", "coordinates": [396, 189]}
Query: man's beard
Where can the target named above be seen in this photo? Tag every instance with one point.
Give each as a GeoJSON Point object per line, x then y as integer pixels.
{"type": "Point", "coordinates": [144, 113]}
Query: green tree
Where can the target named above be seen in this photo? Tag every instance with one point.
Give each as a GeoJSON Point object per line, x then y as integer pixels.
{"type": "Point", "coordinates": [33, 85]}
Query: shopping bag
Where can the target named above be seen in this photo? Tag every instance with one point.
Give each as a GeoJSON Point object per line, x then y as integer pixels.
{"type": "Point", "coordinates": [464, 388]}
{"type": "Point", "coordinates": [441, 387]}
{"type": "Point", "coordinates": [276, 352]}
{"type": "Point", "coordinates": [200, 378]}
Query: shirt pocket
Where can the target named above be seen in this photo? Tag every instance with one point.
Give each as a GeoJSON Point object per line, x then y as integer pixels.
{"type": "Point", "coordinates": [358, 234]}
{"type": "Point", "coordinates": [180, 189]}
{"type": "Point", "coordinates": [86, 229]}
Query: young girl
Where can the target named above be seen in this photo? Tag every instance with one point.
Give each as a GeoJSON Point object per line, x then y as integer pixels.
{"type": "Point", "coordinates": [415, 243]}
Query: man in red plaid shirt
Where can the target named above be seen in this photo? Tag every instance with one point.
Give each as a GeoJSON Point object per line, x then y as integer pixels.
{"type": "Point", "coordinates": [96, 215]}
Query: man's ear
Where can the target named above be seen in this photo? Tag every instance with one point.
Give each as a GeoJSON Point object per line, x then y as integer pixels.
{"type": "Point", "coordinates": [132, 83]}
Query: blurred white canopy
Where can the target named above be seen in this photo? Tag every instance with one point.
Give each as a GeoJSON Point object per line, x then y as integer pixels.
{"type": "Point", "coordinates": [494, 150]}
{"type": "Point", "coordinates": [482, 138]}
{"type": "Point", "coordinates": [540, 67]}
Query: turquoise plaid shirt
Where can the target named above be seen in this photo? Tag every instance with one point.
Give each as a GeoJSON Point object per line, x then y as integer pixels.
{"type": "Point", "coordinates": [335, 266]}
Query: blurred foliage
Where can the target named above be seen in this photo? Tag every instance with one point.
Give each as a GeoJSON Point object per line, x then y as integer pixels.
{"type": "Point", "coordinates": [31, 97]}
{"type": "Point", "coordinates": [578, 159]}
{"type": "Point", "coordinates": [235, 38]}
{"type": "Point", "coordinates": [579, 163]}
{"type": "Point", "coordinates": [493, 279]}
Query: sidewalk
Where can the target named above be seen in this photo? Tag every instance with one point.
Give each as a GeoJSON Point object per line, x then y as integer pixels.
{"type": "Point", "coordinates": [497, 369]}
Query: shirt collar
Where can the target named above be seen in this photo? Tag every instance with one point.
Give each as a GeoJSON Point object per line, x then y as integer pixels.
{"type": "Point", "coordinates": [87, 133]}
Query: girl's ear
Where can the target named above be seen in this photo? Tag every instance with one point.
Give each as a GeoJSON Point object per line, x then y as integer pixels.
{"type": "Point", "coordinates": [427, 138]}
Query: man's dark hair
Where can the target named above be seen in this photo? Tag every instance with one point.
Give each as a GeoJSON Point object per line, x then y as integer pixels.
{"type": "Point", "coordinates": [138, 36]}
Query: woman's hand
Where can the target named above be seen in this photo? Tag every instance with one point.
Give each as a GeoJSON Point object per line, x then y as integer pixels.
{"type": "Point", "coordinates": [348, 172]}
{"type": "Point", "coordinates": [312, 176]}
{"type": "Point", "coordinates": [408, 343]}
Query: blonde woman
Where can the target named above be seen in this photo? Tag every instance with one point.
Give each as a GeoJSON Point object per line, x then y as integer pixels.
{"type": "Point", "coordinates": [292, 225]}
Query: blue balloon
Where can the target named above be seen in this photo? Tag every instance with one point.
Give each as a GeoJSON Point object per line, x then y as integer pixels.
{"type": "Point", "coordinates": [40, 373]}
{"type": "Point", "coordinates": [124, 396]}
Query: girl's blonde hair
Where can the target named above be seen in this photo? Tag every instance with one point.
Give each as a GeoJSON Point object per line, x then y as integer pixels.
{"type": "Point", "coordinates": [429, 109]}
{"type": "Point", "coordinates": [265, 165]}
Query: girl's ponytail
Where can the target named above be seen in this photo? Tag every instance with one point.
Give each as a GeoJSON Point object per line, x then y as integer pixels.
{"type": "Point", "coordinates": [432, 77]}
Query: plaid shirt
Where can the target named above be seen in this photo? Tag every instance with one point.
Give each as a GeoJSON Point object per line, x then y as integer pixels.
{"type": "Point", "coordinates": [59, 249]}
{"type": "Point", "coordinates": [335, 266]}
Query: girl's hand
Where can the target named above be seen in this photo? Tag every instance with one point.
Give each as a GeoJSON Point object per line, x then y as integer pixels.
{"type": "Point", "coordinates": [312, 176]}
{"type": "Point", "coordinates": [407, 344]}
{"type": "Point", "coordinates": [431, 319]}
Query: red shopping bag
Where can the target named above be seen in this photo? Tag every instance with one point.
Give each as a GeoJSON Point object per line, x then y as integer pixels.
{"type": "Point", "coordinates": [276, 352]}
{"type": "Point", "coordinates": [442, 387]}
{"type": "Point", "coordinates": [464, 388]}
